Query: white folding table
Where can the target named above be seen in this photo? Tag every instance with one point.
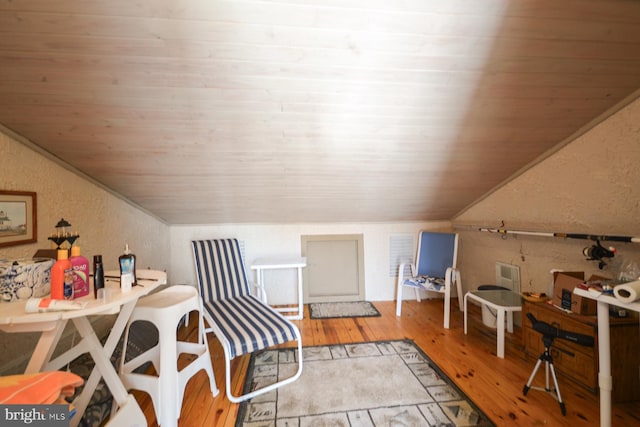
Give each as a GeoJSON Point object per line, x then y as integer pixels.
{"type": "Point", "coordinates": [14, 318]}
{"type": "Point", "coordinates": [503, 301]}
{"type": "Point", "coordinates": [298, 263]}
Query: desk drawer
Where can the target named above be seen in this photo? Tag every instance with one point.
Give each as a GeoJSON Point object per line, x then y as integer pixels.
{"type": "Point", "coordinates": [577, 365]}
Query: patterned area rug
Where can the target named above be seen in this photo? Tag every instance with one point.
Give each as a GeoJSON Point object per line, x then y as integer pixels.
{"type": "Point", "coordinates": [387, 383]}
{"type": "Point", "coordinates": [329, 310]}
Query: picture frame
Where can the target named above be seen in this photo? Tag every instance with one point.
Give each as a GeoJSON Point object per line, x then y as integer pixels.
{"type": "Point", "coordinates": [18, 218]}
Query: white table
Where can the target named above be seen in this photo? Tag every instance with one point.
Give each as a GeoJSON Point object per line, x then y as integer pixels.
{"type": "Point", "coordinates": [13, 318]}
{"type": "Point", "coordinates": [503, 301]}
{"type": "Point", "coordinates": [605, 380]}
{"type": "Point", "coordinates": [298, 263]}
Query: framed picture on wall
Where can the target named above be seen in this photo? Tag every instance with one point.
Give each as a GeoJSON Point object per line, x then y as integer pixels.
{"type": "Point", "coordinates": [18, 212]}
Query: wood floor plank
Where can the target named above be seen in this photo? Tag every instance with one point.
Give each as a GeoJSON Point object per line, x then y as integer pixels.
{"type": "Point", "coordinates": [494, 384]}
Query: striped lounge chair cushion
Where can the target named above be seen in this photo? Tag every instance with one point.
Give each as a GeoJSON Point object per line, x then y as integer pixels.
{"type": "Point", "coordinates": [248, 325]}
{"type": "Point", "coordinates": [246, 322]}
{"type": "Point", "coordinates": [220, 269]}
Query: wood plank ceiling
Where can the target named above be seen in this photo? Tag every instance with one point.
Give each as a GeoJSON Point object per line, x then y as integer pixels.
{"type": "Point", "coordinates": [287, 111]}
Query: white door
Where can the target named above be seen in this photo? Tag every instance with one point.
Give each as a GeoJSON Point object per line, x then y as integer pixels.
{"type": "Point", "coordinates": [335, 268]}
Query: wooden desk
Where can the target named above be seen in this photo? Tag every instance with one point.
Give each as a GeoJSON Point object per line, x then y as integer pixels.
{"type": "Point", "coordinates": [580, 363]}
{"type": "Point", "coordinates": [13, 318]}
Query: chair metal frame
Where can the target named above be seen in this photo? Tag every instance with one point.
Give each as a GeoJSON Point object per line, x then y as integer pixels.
{"type": "Point", "coordinates": [242, 323]}
{"type": "Point", "coordinates": [436, 258]}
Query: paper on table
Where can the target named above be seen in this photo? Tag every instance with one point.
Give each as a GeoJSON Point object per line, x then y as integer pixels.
{"type": "Point", "coordinates": [43, 305]}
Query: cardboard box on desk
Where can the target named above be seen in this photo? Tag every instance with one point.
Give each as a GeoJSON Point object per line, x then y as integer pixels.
{"type": "Point", "coordinates": [563, 284]}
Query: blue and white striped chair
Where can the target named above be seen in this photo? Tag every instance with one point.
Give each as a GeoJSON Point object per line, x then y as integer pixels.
{"type": "Point", "coordinates": [242, 323]}
{"type": "Point", "coordinates": [434, 270]}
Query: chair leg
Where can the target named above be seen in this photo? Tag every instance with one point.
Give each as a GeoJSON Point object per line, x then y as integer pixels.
{"type": "Point", "coordinates": [202, 333]}
{"type": "Point", "coordinates": [238, 399]}
{"type": "Point", "coordinates": [447, 305]}
{"type": "Point", "coordinates": [168, 382]}
{"type": "Point", "coordinates": [399, 297]}
{"type": "Point", "coordinates": [459, 289]}
{"type": "Point", "coordinates": [202, 361]}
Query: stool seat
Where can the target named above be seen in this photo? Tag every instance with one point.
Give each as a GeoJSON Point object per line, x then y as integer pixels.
{"type": "Point", "coordinates": [165, 310]}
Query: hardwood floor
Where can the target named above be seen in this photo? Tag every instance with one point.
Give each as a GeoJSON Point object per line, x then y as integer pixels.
{"type": "Point", "coordinates": [494, 384]}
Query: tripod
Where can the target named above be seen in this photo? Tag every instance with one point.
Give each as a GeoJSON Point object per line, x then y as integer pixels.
{"type": "Point", "coordinates": [549, 333]}
{"type": "Point", "coordinates": [548, 366]}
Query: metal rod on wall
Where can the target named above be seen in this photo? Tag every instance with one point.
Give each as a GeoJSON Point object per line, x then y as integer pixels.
{"type": "Point", "coordinates": [595, 252]}
{"type": "Point", "coordinates": [628, 239]}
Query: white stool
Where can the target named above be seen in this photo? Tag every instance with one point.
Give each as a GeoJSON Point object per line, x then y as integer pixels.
{"type": "Point", "coordinates": [164, 310]}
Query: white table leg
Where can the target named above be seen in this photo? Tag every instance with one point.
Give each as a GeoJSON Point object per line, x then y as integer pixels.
{"type": "Point", "coordinates": [300, 305]}
{"type": "Point", "coordinates": [260, 279]}
{"type": "Point", "coordinates": [44, 348]}
{"type": "Point", "coordinates": [465, 312]}
{"type": "Point", "coordinates": [500, 330]}
{"type": "Point", "coordinates": [605, 379]}
{"type": "Point", "coordinates": [101, 356]}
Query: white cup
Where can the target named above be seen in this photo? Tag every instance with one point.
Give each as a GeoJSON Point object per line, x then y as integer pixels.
{"type": "Point", "coordinates": [104, 295]}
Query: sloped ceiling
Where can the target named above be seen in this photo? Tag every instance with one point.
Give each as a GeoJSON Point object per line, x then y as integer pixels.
{"type": "Point", "coordinates": [204, 111]}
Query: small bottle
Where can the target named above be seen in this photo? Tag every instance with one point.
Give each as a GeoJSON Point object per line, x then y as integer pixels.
{"type": "Point", "coordinates": [62, 277]}
{"type": "Point", "coordinates": [128, 265]}
{"type": "Point", "coordinates": [98, 275]}
{"type": "Point", "coordinates": [80, 266]}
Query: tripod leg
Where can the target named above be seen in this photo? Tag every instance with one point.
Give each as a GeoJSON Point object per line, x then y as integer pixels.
{"type": "Point", "coordinates": [546, 376]}
{"type": "Point", "coordinates": [555, 381]}
{"type": "Point", "coordinates": [533, 375]}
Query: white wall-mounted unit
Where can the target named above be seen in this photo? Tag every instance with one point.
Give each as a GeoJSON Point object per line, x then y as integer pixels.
{"type": "Point", "coordinates": [508, 276]}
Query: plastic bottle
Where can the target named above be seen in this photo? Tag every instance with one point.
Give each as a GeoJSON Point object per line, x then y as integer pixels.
{"type": "Point", "coordinates": [127, 264]}
{"type": "Point", "coordinates": [62, 277]}
{"type": "Point", "coordinates": [80, 266]}
{"type": "Point", "coordinates": [98, 275]}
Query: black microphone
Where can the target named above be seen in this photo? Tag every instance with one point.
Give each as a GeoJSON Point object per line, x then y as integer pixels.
{"type": "Point", "coordinates": [551, 331]}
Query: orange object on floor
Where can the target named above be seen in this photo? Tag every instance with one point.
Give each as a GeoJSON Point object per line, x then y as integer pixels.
{"type": "Point", "coordinates": [40, 388]}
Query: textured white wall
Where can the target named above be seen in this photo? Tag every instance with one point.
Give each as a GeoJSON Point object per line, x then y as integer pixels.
{"type": "Point", "coordinates": [103, 221]}
{"type": "Point", "coordinates": [591, 185]}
